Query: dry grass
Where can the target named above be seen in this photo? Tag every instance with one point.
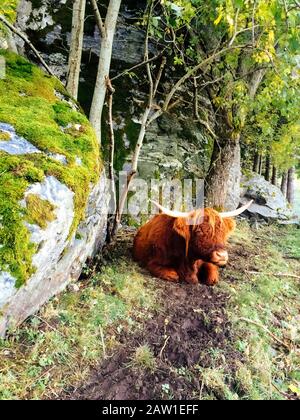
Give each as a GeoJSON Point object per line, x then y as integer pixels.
{"type": "Point", "coordinates": [56, 348]}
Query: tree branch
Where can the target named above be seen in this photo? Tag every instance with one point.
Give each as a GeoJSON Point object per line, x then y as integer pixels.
{"type": "Point", "coordinates": [98, 18]}
{"type": "Point", "coordinates": [28, 42]}
{"type": "Point", "coordinates": [159, 75]}
{"type": "Point", "coordinates": [257, 324]}
{"type": "Point", "coordinates": [188, 75]}
{"type": "Point", "coordinates": [110, 91]}
{"type": "Point", "coordinates": [143, 63]}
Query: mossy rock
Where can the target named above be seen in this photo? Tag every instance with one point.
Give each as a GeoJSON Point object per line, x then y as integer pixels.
{"type": "Point", "coordinates": [4, 136]}
{"type": "Point", "coordinates": [42, 113]}
{"type": "Point", "coordinates": [39, 212]}
{"type": "Point", "coordinates": [8, 8]}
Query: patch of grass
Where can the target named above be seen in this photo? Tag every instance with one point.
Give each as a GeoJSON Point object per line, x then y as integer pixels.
{"type": "Point", "coordinates": [214, 381]}
{"type": "Point", "coordinates": [143, 358]}
{"type": "Point", "coordinates": [265, 304]}
{"type": "Point", "coordinates": [56, 348]}
{"type": "Point", "coordinates": [39, 212]}
{"type": "Point", "coordinates": [29, 104]}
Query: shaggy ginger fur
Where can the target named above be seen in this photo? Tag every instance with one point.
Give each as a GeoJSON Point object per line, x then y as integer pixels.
{"type": "Point", "coordinates": [177, 249]}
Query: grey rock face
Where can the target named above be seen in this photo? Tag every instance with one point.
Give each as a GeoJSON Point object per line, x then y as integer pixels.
{"type": "Point", "coordinates": [174, 145]}
{"type": "Point", "coordinates": [128, 42]}
{"type": "Point", "coordinates": [7, 287]}
{"type": "Point", "coordinates": [58, 259]}
{"type": "Point", "coordinates": [56, 271]}
{"type": "Point", "coordinates": [269, 200]}
{"type": "Point", "coordinates": [16, 145]}
{"type": "Point", "coordinates": [174, 148]}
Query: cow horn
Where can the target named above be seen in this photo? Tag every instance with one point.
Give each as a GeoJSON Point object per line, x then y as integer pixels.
{"type": "Point", "coordinates": [171, 213]}
{"type": "Point", "coordinates": [237, 211]}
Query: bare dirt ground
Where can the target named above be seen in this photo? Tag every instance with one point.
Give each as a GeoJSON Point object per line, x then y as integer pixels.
{"type": "Point", "coordinates": [189, 323]}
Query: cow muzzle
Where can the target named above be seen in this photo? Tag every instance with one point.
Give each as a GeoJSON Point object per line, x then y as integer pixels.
{"type": "Point", "coordinates": [220, 258]}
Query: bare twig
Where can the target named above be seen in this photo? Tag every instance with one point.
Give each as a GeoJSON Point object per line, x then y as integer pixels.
{"type": "Point", "coordinates": [28, 42]}
{"type": "Point", "coordinates": [196, 102]}
{"type": "Point", "coordinates": [253, 23]}
{"type": "Point", "coordinates": [160, 72]}
{"type": "Point", "coordinates": [208, 127]}
{"type": "Point", "coordinates": [98, 18]}
{"type": "Point", "coordinates": [189, 74]}
{"type": "Point", "coordinates": [293, 276]}
{"type": "Point", "coordinates": [257, 324]}
{"type": "Point", "coordinates": [139, 144]}
{"type": "Point", "coordinates": [236, 20]}
{"type": "Point", "coordinates": [201, 390]}
{"type": "Point", "coordinates": [164, 346]}
{"type": "Point", "coordinates": [143, 63]}
{"type": "Point", "coordinates": [257, 273]}
{"type": "Point", "coordinates": [103, 343]}
{"type": "Point", "coordinates": [110, 92]}
{"type": "Point", "coordinates": [111, 172]}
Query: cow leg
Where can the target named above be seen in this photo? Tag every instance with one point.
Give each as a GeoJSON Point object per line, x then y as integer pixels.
{"type": "Point", "coordinates": [165, 273]}
{"type": "Point", "coordinates": [189, 273]}
{"type": "Point", "coordinates": [209, 274]}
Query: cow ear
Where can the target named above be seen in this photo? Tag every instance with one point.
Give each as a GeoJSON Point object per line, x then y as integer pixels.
{"type": "Point", "coordinates": [182, 228]}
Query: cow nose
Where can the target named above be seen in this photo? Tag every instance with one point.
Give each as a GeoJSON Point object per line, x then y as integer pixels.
{"type": "Point", "coordinates": [223, 255]}
{"type": "Point", "coordinates": [222, 258]}
{"type": "Point", "coordinates": [219, 257]}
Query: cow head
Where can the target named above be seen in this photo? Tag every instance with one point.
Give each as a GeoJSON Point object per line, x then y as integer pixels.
{"type": "Point", "coordinates": [205, 232]}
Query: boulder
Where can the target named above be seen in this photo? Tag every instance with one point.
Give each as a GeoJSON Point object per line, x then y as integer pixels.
{"type": "Point", "coordinates": [234, 191]}
{"type": "Point", "coordinates": [53, 200]}
{"type": "Point", "coordinates": [269, 203]}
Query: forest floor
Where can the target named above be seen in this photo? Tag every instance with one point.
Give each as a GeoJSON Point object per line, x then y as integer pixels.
{"type": "Point", "coordinates": [120, 334]}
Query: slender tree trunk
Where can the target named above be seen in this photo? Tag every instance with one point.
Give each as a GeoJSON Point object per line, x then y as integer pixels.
{"type": "Point", "coordinates": [284, 181]}
{"type": "Point", "coordinates": [104, 65]}
{"type": "Point", "coordinates": [261, 165]}
{"type": "Point", "coordinates": [274, 176]}
{"type": "Point", "coordinates": [217, 180]}
{"type": "Point", "coordinates": [268, 168]}
{"type": "Point", "coordinates": [76, 47]}
{"type": "Point", "coordinates": [291, 186]}
{"type": "Point", "coordinates": [256, 162]}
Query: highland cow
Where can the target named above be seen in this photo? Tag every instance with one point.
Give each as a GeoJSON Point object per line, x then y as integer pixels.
{"type": "Point", "coordinates": [190, 247]}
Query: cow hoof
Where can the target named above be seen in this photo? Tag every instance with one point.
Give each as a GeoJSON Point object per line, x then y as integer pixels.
{"type": "Point", "coordinates": [193, 279]}
{"type": "Point", "coordinates": [172, 276]}
{"type": "Point", "coordinates": [209, 274]}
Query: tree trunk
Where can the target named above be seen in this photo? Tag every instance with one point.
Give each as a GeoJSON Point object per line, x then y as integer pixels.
{"type": "Point", "coordinates": [104, 66]}
{"type": "Point", "coordinates": [256, 162]}
{"type": "Point", "coordinates": [261, 165]}
{"type": "Point", "coordinates": [284, 182]}
{"type": "Point", "coordinates": [217, 180]}
{"type": "Point", "coordinates": [268, 168]}
{"type": "Point", "coordinates": [274, 176]}
{"type": "Point", "coordinates": [291, 186]}
{"type": "Point", "coordinates": [76, 47]}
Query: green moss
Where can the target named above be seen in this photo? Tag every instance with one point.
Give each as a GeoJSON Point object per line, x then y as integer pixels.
{"type": "Point", "coordinates": [8, 8]}
{"type": "Point", "coordinates": [4, 136]}
{"type": "Point", "coordinates": [39, 212]}
{"type": "Point", "coordinates": [28, 102]}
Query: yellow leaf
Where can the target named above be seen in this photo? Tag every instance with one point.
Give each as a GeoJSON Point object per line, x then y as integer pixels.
{"type": "Point", "coordinates": [295, 390]}
{"type": "Point", "coordinates": [219, 18]}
